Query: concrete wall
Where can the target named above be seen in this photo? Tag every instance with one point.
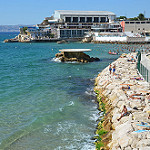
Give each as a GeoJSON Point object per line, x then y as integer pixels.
{"type": "Point", "coordinates": [110, 39]}
{"type": "Point", "coordinates": [136, 39]}
{"type": "Point", "coordinates": [137, 28]}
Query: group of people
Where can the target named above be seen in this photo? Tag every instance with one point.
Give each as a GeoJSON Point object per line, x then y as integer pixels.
{"type": "Point", "coordinates": [112, 68]}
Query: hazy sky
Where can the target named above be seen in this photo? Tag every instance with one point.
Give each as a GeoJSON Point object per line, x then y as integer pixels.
{"type": "Point", "coordinates": [14, 12]}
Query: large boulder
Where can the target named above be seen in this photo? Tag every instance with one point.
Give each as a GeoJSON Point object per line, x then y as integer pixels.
{"type": "Point", "coordinates": [75, 56]}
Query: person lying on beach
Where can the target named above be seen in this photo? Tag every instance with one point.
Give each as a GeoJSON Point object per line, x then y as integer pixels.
{"type": "Point", "coordinates": [147, 97]}
{"type": "Point", "coordinates": [131, 59]}
{"type": "Point", "coordinates": [137, 78]}
{"type": "Point", "coordinates": [126, 87]}
{"type": "Point", "coordinates": [124, 112]}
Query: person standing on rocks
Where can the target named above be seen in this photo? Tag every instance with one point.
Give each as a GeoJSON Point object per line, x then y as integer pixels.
{"type": "Point", "coordinates": [114, 69]}
{"type": "Point", "coordinates": [110, 68]}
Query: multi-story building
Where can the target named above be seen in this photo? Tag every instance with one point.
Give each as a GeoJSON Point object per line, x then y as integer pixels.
{"type": "Point", "coordinates": [72, 24]}
{"type": "Point", "coordinates": [142, 27]}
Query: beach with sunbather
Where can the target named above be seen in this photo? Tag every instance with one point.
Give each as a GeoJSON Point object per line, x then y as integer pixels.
{"type": "Point", "coordinates": [127, 95]}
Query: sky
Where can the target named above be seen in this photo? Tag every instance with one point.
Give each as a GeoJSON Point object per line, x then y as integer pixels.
{"type": "Point", "coordinates": [30, 12]}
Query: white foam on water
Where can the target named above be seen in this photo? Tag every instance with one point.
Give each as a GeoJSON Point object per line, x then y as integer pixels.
{"type": "Point", "coordinates": [71, 62]}
{"type": "Point", "coordinates": [88, 147]}
{"type": "Point", "coordinates": [56, 59]}
{"type": "Point", "coordinates": [47, 129]}
{"type": "Point", "coordinates": [94, 116]}
{"type": "Point", "coordinates": [60, 109]}
{"type": "Point", "coordinates": [71, 103]}
{"type": "Point", "coordinates": [90, 91]}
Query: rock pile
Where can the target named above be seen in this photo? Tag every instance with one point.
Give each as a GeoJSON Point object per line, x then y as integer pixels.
{"type": "Point", "coordinates": [126, 88]}
{"type": "Point", "coordinates": [75, 56]}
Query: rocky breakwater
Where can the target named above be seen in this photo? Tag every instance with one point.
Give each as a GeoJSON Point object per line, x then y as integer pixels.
{"type": "Point", "coordinates": [126, 88]}
{"type": "Point", "coordinates": [75, 55]}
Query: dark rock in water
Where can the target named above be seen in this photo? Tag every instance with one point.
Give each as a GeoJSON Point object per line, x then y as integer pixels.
{"type": "Point", "coordinates": [75, 56]}
{"type": "Point", "coordinates": [94, 138]}
{"type": "Point", "coordinates": [11, 40]}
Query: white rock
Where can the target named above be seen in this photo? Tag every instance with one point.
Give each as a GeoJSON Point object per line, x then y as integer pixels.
{"type": "Point", "coordinates": [128, 148]}
{"type": "Point", "coordinates": [145, 148]}
{"type": "Point", "coordinates": [143, 143]}
{"type": "Point", "coordinates": [124, 141]}
{"type": "Point", "coordinates": [148, 135]}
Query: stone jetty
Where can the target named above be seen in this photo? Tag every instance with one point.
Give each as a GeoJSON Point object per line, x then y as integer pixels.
{"type": "Point", "coordinates": [125, 88]}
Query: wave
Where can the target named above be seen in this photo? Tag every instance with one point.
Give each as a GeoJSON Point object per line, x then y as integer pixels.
{"type": "Point", "coordinates": [56, 60]}
{"type": "Point", "coordinates": [90, 92]}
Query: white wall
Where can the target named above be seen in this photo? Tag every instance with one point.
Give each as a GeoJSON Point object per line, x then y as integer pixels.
{"type": "Point", "coordinates": [110, 39]}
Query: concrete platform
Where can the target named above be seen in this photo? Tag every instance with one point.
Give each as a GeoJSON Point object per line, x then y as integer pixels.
{"type": "Point", "coordinates": [75, 50]}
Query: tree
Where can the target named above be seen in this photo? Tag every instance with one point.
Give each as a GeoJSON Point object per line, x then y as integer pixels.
{"type": "Point", "coordinates": [133, 19]}
{"type": "Point", "coordinates": [141, 16]}
{"type": "Point", "coordinates": [24, 30]}
{"type": "Point", "coordinates": [122, 18]}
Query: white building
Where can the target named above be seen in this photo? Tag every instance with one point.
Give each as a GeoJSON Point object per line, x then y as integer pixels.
{"type": "Point", "coordinates": [71, 24]}
{"type": "Point", "coordinates": [70, 16]}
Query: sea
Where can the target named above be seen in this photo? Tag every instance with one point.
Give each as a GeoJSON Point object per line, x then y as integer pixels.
{"type": "Point", "coordinates": [46, 104]}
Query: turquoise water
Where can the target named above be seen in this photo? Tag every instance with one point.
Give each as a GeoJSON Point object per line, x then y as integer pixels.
{"type": "Point", "coordinates": [47, 105]}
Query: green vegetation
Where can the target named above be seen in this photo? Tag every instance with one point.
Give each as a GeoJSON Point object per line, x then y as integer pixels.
{"type": "Point", "coordinates": [133, 19]}
{"type": "Point", "coordinates": [24, 30]}
{"type": "Point", "coordinates": [122, 18]}
{"type": "Point", "coordinates": [99, 145]}
{"type": "Point", "coordinates": [140, 17]}
{"type": "Point", "coordinates": [100, 131]}
{"type": "Point", "coordinates": [51, 35]}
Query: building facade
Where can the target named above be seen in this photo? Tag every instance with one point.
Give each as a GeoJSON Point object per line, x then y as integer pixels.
{"type": "Point", "coordinates": [136, 26]}
{"type": "Point", "coordinates": [73, 24]}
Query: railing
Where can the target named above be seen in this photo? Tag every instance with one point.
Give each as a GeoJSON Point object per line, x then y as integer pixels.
{"type": "Point", "coordinates": [143, 66]}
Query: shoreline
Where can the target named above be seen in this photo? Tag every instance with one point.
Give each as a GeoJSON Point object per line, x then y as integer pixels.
{"type": "Point", "coordinates": [131, 131]}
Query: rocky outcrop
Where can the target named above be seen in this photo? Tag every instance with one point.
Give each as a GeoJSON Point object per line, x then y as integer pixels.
{"type": "Point", "coordinates": [75, 56]}
{"type": "Point", "coordinates": [133, 130]}
{"type": "Point", "coordinates": [87, 40]}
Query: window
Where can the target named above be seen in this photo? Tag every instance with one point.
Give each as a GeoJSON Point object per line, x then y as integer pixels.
{"type": "Point", "coordinates": [73, 33]}
{"type": "Point", "coordinates": [103, 19]}
{"type": "Point", "coordinates": [82, 19]}
{"type": "Point", "coordinates": [68, 19]}
{"type": "Point", "coordinates": [138, 28]}
{"type": "Point", "coordinates": [75, 19]}
{"type": "Point", "coordinates": [68, 32]}
{"type": "Point", "coordinates": [96, 19]}
{"type": "Point", "coordinates": [89, 19]}
{"type": "Point", "coordinates": [79, 33]}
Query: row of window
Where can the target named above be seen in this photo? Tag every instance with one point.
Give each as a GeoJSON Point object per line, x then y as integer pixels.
{"type": "Point", "coordinates": [137, 22]}
{"type": "Point", "coordinates": [72, 33]}
{"type": "Point", "coordinates": [86, 19]}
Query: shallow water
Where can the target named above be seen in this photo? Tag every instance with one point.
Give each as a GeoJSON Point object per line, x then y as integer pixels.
{"type": "Point", "coordinates": [44, 104]}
